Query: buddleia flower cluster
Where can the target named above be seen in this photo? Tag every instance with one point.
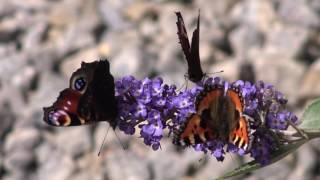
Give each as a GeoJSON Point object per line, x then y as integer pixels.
{"type": "Point", "coordinates": [150, 106]}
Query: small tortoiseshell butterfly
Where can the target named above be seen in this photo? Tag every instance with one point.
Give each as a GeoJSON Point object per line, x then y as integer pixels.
{"type": "Point", "coordinates": [89, 98]}
{"type": "Point", "coordinates": [195, 73]}
{"type": "Point", "coordinates": [219, 116]}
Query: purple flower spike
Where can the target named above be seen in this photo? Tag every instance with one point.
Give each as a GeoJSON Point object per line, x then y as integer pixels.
{"type": "Point", "coordinates": [149, 106]}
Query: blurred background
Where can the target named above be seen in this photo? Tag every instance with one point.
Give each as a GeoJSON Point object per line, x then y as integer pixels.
{"type": "Point", "coordinates": [43, 41]}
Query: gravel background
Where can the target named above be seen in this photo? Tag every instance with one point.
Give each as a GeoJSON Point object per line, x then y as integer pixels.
{"type": "Point", "coordinates": [43, 41]}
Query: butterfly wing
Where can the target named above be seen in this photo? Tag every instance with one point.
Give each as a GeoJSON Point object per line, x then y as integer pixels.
{"type": "Point", "coordinates": [64, 112]}
{"type": "Point", "coordinates": [193, 132]}
{"type": "Point", "coordinates": [90, 98]}
{"type": "Point", "coordinates": [183, 37]}
{"type": "Point", "coordinates": [98, 102]}
{"type": "Point", "coordinates": [195, 72]}
{"type": "Point", "coordinates": [194, 66]}
{"type": "Point", "coordinates": [241, 136]}
{"type": "Point", "coordinates": [196, 129]}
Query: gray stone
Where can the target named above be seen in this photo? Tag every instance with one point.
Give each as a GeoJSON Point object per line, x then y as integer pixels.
{"type": "Point", "coordinates": [315, 5]}
{"type": "Point", "coordinates": [34, 5]}
{"type": "Point", "coordinates": [126, 165]}
{"type": "Point", "coordinates": [171, 65]}
{"type": "Point", "coordinates": [142, 12]}
{"type": "Point", "coordinates": [257, 14]}
{"type": "Point", "coordinates": [44, 96]}
{"type": "Point", "coordinates": [89, 167]}
{"type": "Point", "coordinates": [162, 161]}
{"type": "Point", "coordinates": [281, 72]}
{"type": "Point", "coordinates": [298, 12]}
{"type": "Point", "coordinates": [75, 37]}
{"type": "Point", "coordinates": [110, 13]}
{"type": "Point", "coordinates": [11, 65]}
{"type": "Point", "coordinates": [34, 36]}
{"type": "Point", "coordinates": [244, 38]}
{"type": "Point", "coordinates": [74, 141]}
{"type": "Point", "coordinates": [7, 120]}
{"type": "Point", "coordinates": [286, 40]}
{"type": "Point", "coordinates": [309, 87]}
{"type": "Point", "coordinates": [229, 67]}
{"type": "Point", "coordinates": [44, 58]}
{"type": "Point", "coordinates": [53, 163]}
{"type": "Point", "coordinates": [24, 78]}
{"type": "Point", "coordinates": [12, 97]}
{"type": "Point", "coordinates": [7, 49]}
{"type": "Point", "coordinates": [306, 161]}
{"type": "Point", "coordinates": [83, 175]}
{"type": "Point", "coordinates": [15, 176]}
{"type": "Point", "coordinates": [215, 8]}
{"type": "Point", "coordinates": [6, 8]}
{"type": "Point", "coordinates": [18, 160]}
{"type": "Point", "coordinates": [213, 168]}
{"type": "Point", "coordinates": [22, 139]}
{"type": "Point", "coordinates": [272, 172]}
{"type": "Point", "coordinates": [129, 62]}
{"type": "Point", "coordinates": [148, 29]}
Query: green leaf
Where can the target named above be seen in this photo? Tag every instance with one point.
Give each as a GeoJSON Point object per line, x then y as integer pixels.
{"type": "Point", "coordinates": [254, 165]}
{"type": "Point", "coordinates": [311, 116]}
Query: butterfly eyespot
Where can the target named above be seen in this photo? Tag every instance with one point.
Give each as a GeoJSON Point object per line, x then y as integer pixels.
{"type": "Point", "coordinates": [58, 118]}
{"type": "Point", "coordinates": [80, 84]}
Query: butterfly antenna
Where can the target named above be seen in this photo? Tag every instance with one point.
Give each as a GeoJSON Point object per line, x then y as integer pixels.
{"type": "Point", "coordinates": [102, 145]}
{"type": "Point", "coordinates": [187, 84]}
{"type": "Point", "coordinates": [215, 72]}
{"type": "Point", "coordinates": [120, 142]}
{"type": "Point", "coordinates": [184, 84]}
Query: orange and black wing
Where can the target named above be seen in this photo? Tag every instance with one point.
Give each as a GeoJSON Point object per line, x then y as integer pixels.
{"type": "Point", "coordinates": [193, 132]}
{"type": "Point", "coordinates": [196, 130]}
{"type": "Point", "coordinates": [240, 136]}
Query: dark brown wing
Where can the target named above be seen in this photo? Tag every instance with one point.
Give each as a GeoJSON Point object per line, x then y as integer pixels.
{"type": "Point", "coordinates": [194, 65]}
{"type": "Point", "coordinates": [90, 98]}
{"type": "Point", "coordinates": [103, 88]}
{"type": "Point", "coordinates": [63, 112]}
{"type": "Point", "coordinates": [195, 73]}
{"type": "Point", "coordinates": [183, 36]}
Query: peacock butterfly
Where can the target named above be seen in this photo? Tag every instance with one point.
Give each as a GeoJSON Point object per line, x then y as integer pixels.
{"type": "Point", "coordinates": [195, 73]}
{"type": "Point", "coordinates": [219, 116]}
{"type": "Point", "coordinates": [89, 98]}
